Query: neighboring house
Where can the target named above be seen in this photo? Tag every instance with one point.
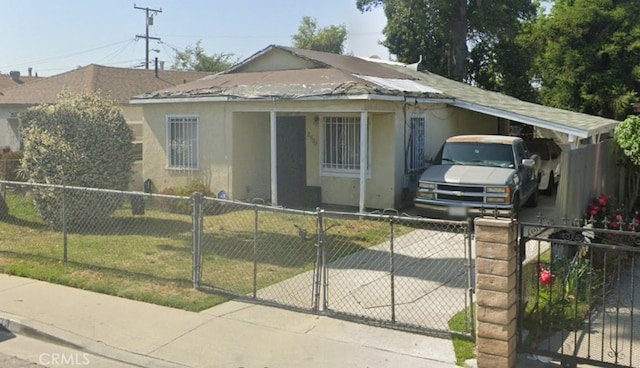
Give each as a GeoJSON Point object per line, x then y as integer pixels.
{"type": "Point", "coordinates": [14, 79]}
{"type": "Point", "coordinates": [298, 128]}
{"type": "Point", "coordinates": [119, 84]}
{"type": "Point", "coordinates": [9, 81]}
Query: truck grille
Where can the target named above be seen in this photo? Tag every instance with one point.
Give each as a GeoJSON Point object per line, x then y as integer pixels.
{"type": "Point", "coordinates": [460, 193]}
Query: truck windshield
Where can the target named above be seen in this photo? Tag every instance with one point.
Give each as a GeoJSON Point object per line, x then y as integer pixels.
{"type": "Point", "coordinates": [478, 154]}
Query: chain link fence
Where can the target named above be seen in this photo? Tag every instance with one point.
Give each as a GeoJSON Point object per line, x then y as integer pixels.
{"type": "Point", "coordinates": [399, 270]}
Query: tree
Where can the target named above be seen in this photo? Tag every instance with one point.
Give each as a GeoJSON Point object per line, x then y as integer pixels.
{"type": "Point", "coordinates": [588, 57]}
{"type": "Point", "coordinates": [328, 39]}
{"type": "Point", "coordinates": [83, 140]}
{"type": "Point", "coordinates": [441, 31]}
{"type": "Point", "coordinates": [194, 58]}
{"type": "Point", "coordinates": [627, 136]}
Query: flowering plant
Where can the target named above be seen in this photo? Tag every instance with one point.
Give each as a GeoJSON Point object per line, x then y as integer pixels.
{"type": "Point", "coordinates": [605, 212]}
{"type": "Point", "coordinates": [545, 276]}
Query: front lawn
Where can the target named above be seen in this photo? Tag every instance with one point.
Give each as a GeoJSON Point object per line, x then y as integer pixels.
{"type": "Point", "coordinates": [149, 257]}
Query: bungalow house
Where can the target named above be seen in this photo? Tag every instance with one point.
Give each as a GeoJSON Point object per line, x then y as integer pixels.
{"type": "Point", "coordinates": [119, 84]}
{"type": "Point", "coordinates": [299, 128]}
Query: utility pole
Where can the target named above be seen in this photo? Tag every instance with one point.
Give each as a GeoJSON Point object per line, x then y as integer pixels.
{"type": "Point", "coordinates": [149, 22]}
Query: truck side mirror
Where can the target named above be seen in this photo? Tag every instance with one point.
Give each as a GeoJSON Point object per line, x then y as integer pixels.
{"type": "Point", "coordinates": [528, 163]}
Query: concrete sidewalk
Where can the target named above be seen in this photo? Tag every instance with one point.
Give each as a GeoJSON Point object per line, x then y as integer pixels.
{"type": "Point", "coordinates": [233, 334]}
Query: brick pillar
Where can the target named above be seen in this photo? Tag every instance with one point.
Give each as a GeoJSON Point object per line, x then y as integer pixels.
{"type": "Point", "coordinates": [496, 241]}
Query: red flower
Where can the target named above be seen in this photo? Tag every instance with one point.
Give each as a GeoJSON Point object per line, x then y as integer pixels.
{"type": "Point", "coordinates": [544, 276]}
{"type": "Point", "coordinates": [593, 210]}
{"type": "Point", "coordinates": [614, 225]}
{"type": "Point", "coordinates": [603, 200]}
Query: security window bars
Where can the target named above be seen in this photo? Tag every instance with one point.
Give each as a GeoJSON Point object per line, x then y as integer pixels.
{"type": "Point", "coordinates": [417, 145]}
{"type": "Point", "coordinates": [341, 149]}
{"type": "Point", "coordinates": [182, 142]}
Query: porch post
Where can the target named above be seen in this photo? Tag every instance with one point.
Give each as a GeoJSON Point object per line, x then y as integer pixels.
{"type": "Point", "coordinates": [274, 159]}
{"type": "Point", "coordinates": [363, 157]}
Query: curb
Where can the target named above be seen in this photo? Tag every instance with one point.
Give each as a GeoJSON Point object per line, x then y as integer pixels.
{"type": "Point", "coordinates": [51, 334]}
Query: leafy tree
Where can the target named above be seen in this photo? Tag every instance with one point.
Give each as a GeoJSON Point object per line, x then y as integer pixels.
{"type": "Point", "coordinates": [627, 136]}
{"type": "Point", "coordinates": [441, 31]}
{"type": "Point", "coordinates": [328, 39]}
{"type": "Point", "coordinates": [83, 140]}
{"type": "Point", "coordinates": [194, 58]}
{"type": "Point", "coordinates": [588, 57]}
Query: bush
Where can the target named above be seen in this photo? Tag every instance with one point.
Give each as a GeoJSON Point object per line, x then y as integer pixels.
{"type": "Point", "coordinates": [83, 140]}
{"type": "Point", "coordinates": [184, 206]}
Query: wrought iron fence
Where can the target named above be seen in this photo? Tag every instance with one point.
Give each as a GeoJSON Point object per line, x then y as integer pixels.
{"type": "Point", "coordinates": [579, 293]}
{"type": "Point", "coordinates": [393, 269]}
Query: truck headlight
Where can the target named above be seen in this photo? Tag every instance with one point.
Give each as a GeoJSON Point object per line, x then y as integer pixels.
{"type": "Point", "coordinates": [430, 186]}
{"type": "Point", "coordinates": [497, 189]}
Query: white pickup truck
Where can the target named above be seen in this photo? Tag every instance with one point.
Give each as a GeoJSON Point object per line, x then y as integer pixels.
{"type": "Point", "coordinates": [474, 175]}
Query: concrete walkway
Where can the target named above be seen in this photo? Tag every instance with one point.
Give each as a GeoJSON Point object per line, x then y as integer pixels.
{"type": "Point", "coordinates": [233, 334]}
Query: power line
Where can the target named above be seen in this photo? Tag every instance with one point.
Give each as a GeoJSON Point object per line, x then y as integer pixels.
{"type": "Point", "coordinates": [148, 22]}
{"type": "Point", "coordinates": [64, 56]}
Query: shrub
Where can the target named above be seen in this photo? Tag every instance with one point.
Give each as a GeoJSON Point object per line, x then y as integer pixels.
{"type": "Point", "coordinates": [83, 140]}
{"type": "Point", "coordinates": [184, 206]}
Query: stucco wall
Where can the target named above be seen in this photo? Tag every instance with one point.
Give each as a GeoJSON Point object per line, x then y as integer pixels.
{"type": "Point", "coordinates": [9, 134]}
{"type": "Point", "coordinates": [251, 171]}
{"type": "Point", "coordinates": [235, 145]}
{"type": "Point", "coordinates": [213, 148]}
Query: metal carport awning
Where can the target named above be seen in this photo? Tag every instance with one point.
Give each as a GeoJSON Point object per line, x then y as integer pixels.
{"type": "Point", "coordinates": [592, 129]}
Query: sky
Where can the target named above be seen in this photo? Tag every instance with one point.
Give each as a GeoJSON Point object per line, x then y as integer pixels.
{"type": "Point", "coordinates": [55, 36]}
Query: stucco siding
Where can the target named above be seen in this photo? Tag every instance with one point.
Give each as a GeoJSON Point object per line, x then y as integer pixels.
{"type": "Point", "coordinates": [213, 150]}
{"type": "Point", "coordinates": [251, 158]}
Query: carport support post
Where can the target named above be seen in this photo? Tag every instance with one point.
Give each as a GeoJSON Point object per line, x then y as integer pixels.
{"type": "Point", "coordinates": [274, 157]}
{"type": "Point", "coordinates": [496, 244]}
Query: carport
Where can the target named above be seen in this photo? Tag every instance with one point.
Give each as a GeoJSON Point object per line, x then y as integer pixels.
{"type": "Point", "coordinates": [588, 163]}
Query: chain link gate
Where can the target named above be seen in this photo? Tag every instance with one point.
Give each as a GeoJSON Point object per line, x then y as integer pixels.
{"type": "Point", "coordinates": [406, 272]}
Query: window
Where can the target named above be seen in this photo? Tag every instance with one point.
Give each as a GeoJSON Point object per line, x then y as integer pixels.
{"type": "Point", "coordinates": [182, 142]}
{"type": "Point", "coordinates": [416, 145]}
{"type": "Point", "coordinates": [341, 148]}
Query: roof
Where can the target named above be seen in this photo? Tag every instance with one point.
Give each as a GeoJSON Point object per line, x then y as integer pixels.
{"type": "Point", "coordinates": [6, 82]}
{"type": "Point", "coordinates": [496, 104]}
{"type": "Point", "coordinates": [291, 73]}
{"type": "Point", "coordinates": [319, 74]}
{"type": "Point", "coordinates": [119, 84]}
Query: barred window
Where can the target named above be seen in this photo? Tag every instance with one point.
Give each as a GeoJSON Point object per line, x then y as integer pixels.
{"type": "Point", "coordinates": [341, 148]}
{"type": "Point", "coordinates": [417, 145]}
{"type": "Point", "coordinates": [182, 142]}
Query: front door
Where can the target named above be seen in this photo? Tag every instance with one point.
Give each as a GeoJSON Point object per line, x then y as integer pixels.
{"type": "Point", "coordinates": [291, 161]}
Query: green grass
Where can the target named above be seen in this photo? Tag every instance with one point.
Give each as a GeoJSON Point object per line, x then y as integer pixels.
{"type": "Point", "coordinates": [149, 257]}
{"type": "Point", "coordinates": [464, 347]}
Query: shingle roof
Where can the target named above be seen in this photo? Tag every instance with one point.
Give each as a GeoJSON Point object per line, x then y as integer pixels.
{"type": "Point", "coordinates": [118, 83]}
{"type": "Point", "coordinates": [497, 104]}
{"type": "Point", "coordinates": [6, 82]}
{"type": "Point", "coordinates": [329, 75]}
